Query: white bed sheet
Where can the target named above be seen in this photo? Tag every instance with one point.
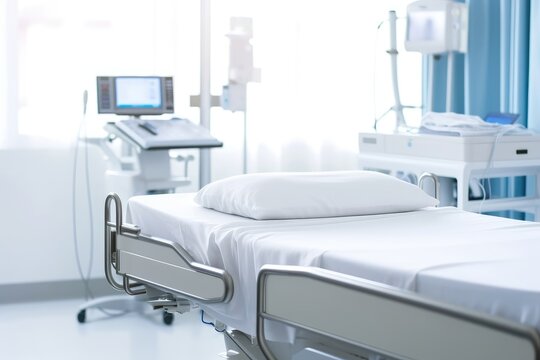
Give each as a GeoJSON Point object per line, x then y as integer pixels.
{"type": "Point", "coordinates": [482, 262]}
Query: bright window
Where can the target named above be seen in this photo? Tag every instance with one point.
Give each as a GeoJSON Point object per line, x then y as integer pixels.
{"type": "Point", "coordinates": [62, 45]}
{"type": "Point", "coordinates": [325, 73]}
{"type": "Point", "coordinates": [325, 76]}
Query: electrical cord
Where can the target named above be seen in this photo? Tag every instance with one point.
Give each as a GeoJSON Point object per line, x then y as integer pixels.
{"type": "Point", "coordinates": [85, 278]}
{"type": "Point", "coordinates": [88, 294]}
{"type": "Point", "coordinates": [210, 323]}
{"type": "Point", "coordinates": [487, 192]}
{"type": "Point", "coordinates": [88, 192]}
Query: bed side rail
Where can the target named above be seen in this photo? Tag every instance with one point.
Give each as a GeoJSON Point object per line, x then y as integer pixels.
{"type": "Point", "coordinates": [143, 260]}
{"type": "Point", "coordinates": [436, 183]}
{"type": "Point", "coordinates": [382, 319]}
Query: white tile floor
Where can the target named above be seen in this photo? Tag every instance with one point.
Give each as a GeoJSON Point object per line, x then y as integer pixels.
{"type": "Point", "coordinates": [49, 330]}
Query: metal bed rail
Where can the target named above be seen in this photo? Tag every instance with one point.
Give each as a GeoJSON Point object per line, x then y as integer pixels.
{"type": "Point", "coordinates": [147, 263]}
{"type": "Point", "coordinates": [350, 313]}
{"type": "Point", "coordinates": [436, 183]}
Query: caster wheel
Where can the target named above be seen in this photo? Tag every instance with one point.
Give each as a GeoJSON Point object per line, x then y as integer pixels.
{"type": "Point", "coordinates": [81, 316]}
{"type": "Point", "coordinates": [168, 318]}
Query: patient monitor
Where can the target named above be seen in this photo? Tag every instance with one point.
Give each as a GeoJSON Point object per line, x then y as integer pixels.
{"type": "Point", "coordinates": [135, 95]}
{"type": "Point", "coordinates": [143, 163]}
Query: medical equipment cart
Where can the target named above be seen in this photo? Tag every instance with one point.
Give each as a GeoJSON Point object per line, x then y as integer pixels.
{"type": "Point", "coordinates": [462, 159]}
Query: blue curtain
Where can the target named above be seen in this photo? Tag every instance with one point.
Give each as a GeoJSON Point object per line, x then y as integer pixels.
{"type": "Point", "coordinates": [501, 71]}
{"type": "Point", "coordinates": [498, 72]}
{"type": "Point", "coordinates": [534, 67]}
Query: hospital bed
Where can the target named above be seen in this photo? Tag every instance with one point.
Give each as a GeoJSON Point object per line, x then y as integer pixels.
{"type": "Point", "coordinates": [427, 284]}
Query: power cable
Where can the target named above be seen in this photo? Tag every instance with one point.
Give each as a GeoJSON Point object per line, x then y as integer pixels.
{"type": "Point", "coordinates": [85, 278]}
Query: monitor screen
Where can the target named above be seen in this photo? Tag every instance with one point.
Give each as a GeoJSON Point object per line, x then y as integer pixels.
{"type": "Point", "coordinates": [138, 92]}
{"type": "Point", "coordinates": [135, 95]}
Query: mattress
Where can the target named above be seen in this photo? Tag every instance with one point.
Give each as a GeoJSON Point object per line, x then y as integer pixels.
{"type": "Point", "coordinates": [482, 262]}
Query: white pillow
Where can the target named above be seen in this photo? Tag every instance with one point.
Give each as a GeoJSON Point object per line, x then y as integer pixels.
{"type": "Point", "coordinates": [267, 196]}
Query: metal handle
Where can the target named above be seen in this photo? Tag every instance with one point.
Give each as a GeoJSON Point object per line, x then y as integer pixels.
{"type": "Point", "coordinates": [108, 233]}
{"type": "Point", "coordinates": [130, 288]}
{"type": "Point", "coordinates": [436, 184]}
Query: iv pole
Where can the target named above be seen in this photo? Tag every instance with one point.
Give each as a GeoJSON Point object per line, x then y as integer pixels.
{"type": "Point", "coordinates": [398, 107]}
{"type": "Point", "coordinates": [205, 97]}
{"type": "Point", "coordinates": [393, 52]}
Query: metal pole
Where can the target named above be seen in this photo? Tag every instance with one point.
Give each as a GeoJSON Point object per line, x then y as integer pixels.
{"type": "Point", "coordinates": [430, 82]}
{"type": "Point", "coordinates": [398, 108]}
{"type": "Point", "coordinates": [449, 80]}
{"type": "Point", "coordinates": [245, 143]}
{"type": "Point", "coordinates": [205, 95]}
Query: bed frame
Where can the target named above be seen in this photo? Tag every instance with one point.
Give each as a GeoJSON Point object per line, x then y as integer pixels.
{"type": "Point", "coordinates": [332, 316]}
{"type": "Point", "coordinates": [164, 266]}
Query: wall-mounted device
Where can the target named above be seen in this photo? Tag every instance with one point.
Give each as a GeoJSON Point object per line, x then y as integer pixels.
{"type": "Point", "coordinates": [135, 95]}
{"type": "Point", "coordinates": [241, 70]}
{"type": "Point", "coordinates": [437, 26]}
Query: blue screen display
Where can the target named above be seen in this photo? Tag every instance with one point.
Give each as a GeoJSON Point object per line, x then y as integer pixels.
{"type": "Point", "coordinates": [500, 118]}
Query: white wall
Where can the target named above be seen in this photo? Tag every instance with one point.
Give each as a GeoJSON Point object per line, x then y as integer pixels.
{"type": "Point", "coordinates": [36, 215]}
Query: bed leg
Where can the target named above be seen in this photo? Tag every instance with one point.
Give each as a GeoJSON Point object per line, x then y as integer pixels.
{"type": "Point", "coordinates": [240, 347]}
